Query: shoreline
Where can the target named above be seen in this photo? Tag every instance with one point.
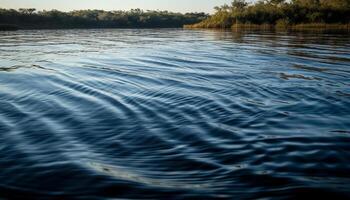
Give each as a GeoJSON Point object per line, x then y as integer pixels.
{"type": "Point", "coordinates": [279, 27]}
{"type": "Point", "coordinates": [17, 28]}
{"type": "Point", "coordinates": [275, 26]}
{"type": "Point", "coordinates": [235, 27]}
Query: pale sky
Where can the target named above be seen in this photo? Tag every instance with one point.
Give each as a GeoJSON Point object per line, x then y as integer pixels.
{"type": "Point", "coordinates": [68, 5]}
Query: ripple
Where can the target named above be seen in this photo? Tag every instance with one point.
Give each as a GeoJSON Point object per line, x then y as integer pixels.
{"type": "Point", "coordinates": [129, 176]}
{"type": "Point", "coordinates": [296, 76]}
{"type": "Point", "coordinates": [164, 114]}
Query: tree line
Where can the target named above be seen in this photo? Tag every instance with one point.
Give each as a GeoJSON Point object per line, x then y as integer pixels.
{"type": "Point", "coordinates": [278, 12]}
{"type": "Point", "coordinates": [136, 18]}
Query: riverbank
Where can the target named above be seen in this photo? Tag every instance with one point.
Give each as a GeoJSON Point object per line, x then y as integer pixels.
{"type": "Point", "coordinates": [281, 14]}
{"type": "Point", "coordinates": [294, 27]}
{"type": "Point", "coordinates": [94, 19]}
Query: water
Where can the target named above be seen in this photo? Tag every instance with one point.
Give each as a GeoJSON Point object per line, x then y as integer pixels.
{"type": "Point", "coordinates": [174, 114]}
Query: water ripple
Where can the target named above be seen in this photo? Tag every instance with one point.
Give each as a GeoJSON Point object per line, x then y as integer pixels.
{"type": "Point", "coordinates": [164, 114]}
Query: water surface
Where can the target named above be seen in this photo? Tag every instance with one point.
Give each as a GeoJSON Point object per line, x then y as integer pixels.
{"type": "Point", "coordinates": [174, 114]}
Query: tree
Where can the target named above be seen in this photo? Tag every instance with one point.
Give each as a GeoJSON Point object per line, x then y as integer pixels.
{"type": "Point", "coordinates": [239, 4]}
{"type": "Point", "coordinates": [277, 2]}
{"type": "Point", "coordinates": [28, 18]}
{"type": "Point", "coordinates": [279, 11]}
{"type": "Point", "coordinates": [27, 10]}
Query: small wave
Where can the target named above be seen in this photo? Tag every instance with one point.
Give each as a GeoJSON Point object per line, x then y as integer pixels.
{"type": "Point", "coordinates": [16, 67]}
{"type": "Point", "coordinates": [119, 173]}
{"type": "Point", "coordinates": [297, 76]}
{"type": "Point", "coordinates": [164, 114]}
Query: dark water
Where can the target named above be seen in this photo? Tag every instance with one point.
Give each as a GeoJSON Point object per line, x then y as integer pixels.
{"type": "Point", "coordinates": [174, 114]}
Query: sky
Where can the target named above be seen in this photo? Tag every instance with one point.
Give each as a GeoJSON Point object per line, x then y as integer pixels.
{"type": "Point", "coordinates": [68, 5]}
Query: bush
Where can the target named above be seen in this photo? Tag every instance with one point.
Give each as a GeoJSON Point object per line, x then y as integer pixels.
{"type": "Point", "coordinates": [281, 13]}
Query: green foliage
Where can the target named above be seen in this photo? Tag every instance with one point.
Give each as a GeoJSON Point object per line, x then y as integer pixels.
{"type": "Point", "coordinates": [135, 18]}
{"type": "Point", "coordinates": [278, 12]}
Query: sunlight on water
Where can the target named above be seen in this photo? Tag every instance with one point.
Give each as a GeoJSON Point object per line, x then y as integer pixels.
{"type": "Point", "coordinates": [158, 114]}
{"type": "Point", "coordinates": [130, 176]}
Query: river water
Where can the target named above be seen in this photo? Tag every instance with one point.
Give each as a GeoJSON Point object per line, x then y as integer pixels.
{"type": "Point", "coordinates": [174, 114]}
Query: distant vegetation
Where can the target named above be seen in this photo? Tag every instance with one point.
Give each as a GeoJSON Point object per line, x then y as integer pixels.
{"type": "Point", "coordinates": [135, 18]}
{"type": "Point", "coordinates": [281, 13]}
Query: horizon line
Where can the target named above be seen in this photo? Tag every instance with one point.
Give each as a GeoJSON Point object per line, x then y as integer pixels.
{"type": "Point", "coordinates": [66, 11]}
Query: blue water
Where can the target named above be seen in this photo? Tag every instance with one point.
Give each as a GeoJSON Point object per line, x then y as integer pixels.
{"type": "Point", "coordinates": [174, 114]}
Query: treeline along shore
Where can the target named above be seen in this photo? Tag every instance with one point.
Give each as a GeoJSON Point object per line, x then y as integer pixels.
{"type": "Point", "coordinates": [11, 19]}
{"type": "Point", "coordinates": [280, 13]}
{"type": "Point", "coordinates": [332, 14]}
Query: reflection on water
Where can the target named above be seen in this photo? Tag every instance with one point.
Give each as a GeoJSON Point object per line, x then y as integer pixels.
{"type": "Point", "coordinates": [311, 68]}
{"type": "Point", "coordinates": [290, 76]}
{"type": "Point", "coordinates": [15, 67]}
{"type": "Point", "coordinates": [130, 176]}
{"type": "Point", "coordinates": [99, 114]}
